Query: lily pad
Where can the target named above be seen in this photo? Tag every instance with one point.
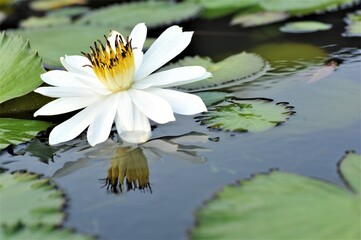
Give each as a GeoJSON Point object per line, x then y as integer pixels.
{"type": "Point", "coordinates": [67, 11]}
{"type": "Point", "coordinates": [40, 232]}
{"type": "Point", "coordinates": [210, 98]}
{"type": "Point", "coordinates": [69, 40]}
{"type": "Point", "coordinates": [353, 28]}
{"type": "Point", "coordinates": [281, 205]}
{"type": "Point", "coordinates": [15, 131]}
{"type": "Point", "coordinates": [28, 200]}
{"type": "Point", "coordinates": [305, 27]}
{"type": "Point", "coordinates": [238, 68]}
{"type": "Point", "coordinates": [303, 7]}
{"type": "Point", "coordinates": [153, 13]}
{"type": "Point", "coordinates": [20, 67]}
{"type": "Point", "coordinates": [241, 115]}
{"type": "Point", "coordinates": [44, 5]}
{"type": "Point", "coordinates": [48, 21]}
{"type": "Point", "coordinates": [258, 18]}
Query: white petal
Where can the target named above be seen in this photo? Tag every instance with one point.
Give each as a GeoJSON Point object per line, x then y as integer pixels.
{"type": "Point", "coordinates": [77, 64]}
{"type": "Point", "coordinates": [138, 58]}
{"type": "Point", "coordinates": [168, 45]}
{"type": "Point", "coordinates": [182, 103]}
{"type": "Point", "coordinates": [175, 76]}
{"type": "Point", "coordinates": [64, 105]}
{"type": "Point", "coordinates": [57, 92]}
{"type": "Point", "coordinates": [154, 107]}
{"type": "Point", "coordinates": [111, 38]}
{"type": "Point", "coordinates": [99, 128]}
{"type": "Point", "coordinates": [204, 76]}
{"type": "Point", "coordinates": [124, 118]}
{"type": "Point", "coordinates": [138, 36]}
{"type": "Point", "coordinates": [141, 132]}
{"type": "Point", "coordinates": [61, 78]}
{"type": "Point", "coordinates": [71, 128]}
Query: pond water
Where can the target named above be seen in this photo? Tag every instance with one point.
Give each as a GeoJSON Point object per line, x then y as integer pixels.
{"type": "Point", "coordinates": [326, 123]}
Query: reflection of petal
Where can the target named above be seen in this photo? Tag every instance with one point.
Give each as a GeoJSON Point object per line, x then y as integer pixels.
{"type": "Point", "coordinates": [164, 145]}
{"type": "Point", "coordinates": [191, 137]}
{"type": "Point", "coordinates": [189, 156]}
{"type": "Point", "coordinates": [129, 167]}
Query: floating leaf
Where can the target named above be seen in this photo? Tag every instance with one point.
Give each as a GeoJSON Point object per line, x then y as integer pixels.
{"type": "Point", "coordinates": [350, 168]}
{"type": "Point", "coordinates": [33, 22]}
{"type": "Point", "coordinates": [258, 18]}
{"type": "Point", "coordinates": [305, 27]}
{"type": "Point", "coordinates": [253, 115]}
{"type": "Point", "coordinates": [25, 105]}
{"type": "Point", "coordinates": [43, 5]}
{"type": "Point", "coordinates": [280, 205]}
{"type": "Point", "coordinates": [40, 232]}
{"type": "Point", "coordinates": [153, 13]}
{"type": "Point", "coordinates": [210, 98]}
{"type": "Point", "coordinates": [20, 67]}
{"type": "Point", "coordinates": [353, 28]}
{"type": "Point", "coordinates": [214, 8]}
{"type": "Point", "coordinates": [239, 68]}
{"type": "Point", "coordinates": [69, 40]}
{"type": "Point", "coordinates": [15, 131]}
{"type": "Point", "coordinates": [303, 7]}
{"type": "Point", "coordinates": [67, 11]}
{"type": "Point", "coordinates": [28, 200]}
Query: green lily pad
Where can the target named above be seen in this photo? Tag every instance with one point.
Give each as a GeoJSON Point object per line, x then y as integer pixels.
{"type": "Point", "coordinates": [353, 28]}
{"type": "Point", "coordinates": [69, 40]}
{"type": "Point", "coordinates": [28, 200]}
{"type": "Point", "coordinates": [258, 18]}
{"type": "Point", "coordinates": [47, 21]}
{"type": "Point", "coordinates": [20, 67]}
{"type": "Point", "coordinates": [215, 9]}
{"type": "Point", "coordinates": [253, 115]}
{"type": "Point", "coordinates": [350, 168]}
{"type": "Point", "coordinates": [303, 7]}
{"type": "Point", "coordinates": [153, 13]}
{"type": "Point", "coordinates": [24, 105]}
{"type": "Point", "coordinates": [210, 98]}
{"type": "Point", "coordinates": [15, 131]}
{"type": "Point", "coordinates": [238, 68]}
{"type": "Point", "coordinates": [40, 232]}
{"type": "Point", "coordinates": [67, 11]}
{"type": "Point", "coordinates": [281, 205]}
{"type": "Point", "coordinates": [44, 5]}
{"type": "Point", "coordinates": [305, 27]}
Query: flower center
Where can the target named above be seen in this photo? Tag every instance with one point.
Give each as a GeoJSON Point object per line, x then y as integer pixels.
{"type": "Point", "coordinates": [114, 66]}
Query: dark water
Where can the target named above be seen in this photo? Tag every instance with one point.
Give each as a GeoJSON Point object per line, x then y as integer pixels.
{"type": "Point", "coordinates": [311, 142]}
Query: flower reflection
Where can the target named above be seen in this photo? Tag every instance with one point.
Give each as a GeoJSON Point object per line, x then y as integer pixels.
{"type": "Point", "coordinates": [129, 164]}
{"type": "Point", "coordinates": [128, 167]}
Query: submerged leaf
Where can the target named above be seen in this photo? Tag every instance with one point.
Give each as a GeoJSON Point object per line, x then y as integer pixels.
{"type": "Point", "coordinates": [238, 68]}
{"type": "Point", "coordinates": [28, 200]}
{"type": "Point", "coordinates": [305, 27]}
{"type": "Point", "coordinates": [153, 13]}
{"type": "Point", "coordinates": [281, 205]}
{"type": "Point", "coordinates": [20, 67]}
{"type": "Point", "coordinates": [15, 131]}
{"type": "Point", "coordinates": [253, 115]}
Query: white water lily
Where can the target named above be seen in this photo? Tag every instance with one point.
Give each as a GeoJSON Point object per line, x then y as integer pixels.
{"type": "Point", "coordinates": [114, 83]}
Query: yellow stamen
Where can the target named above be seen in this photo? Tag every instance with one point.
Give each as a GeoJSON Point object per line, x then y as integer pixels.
{"type": "Point", "coordinates": [114, 67]}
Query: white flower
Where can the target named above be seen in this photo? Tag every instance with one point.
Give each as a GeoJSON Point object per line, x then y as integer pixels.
{"type": "Point", "coordinates": [114, 82]}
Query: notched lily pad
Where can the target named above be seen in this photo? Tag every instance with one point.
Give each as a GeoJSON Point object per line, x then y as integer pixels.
{"type": "Point", "coordinates": [242, 115]}
{"type": "Point", "coordinates": [238, 68]}
{"type": "Point", "coordinates": [305, 27]}
{"type": "Point", "coordinates": [28, 200]}
{"type": "Point", "coordinates": [40, 232]}
{"type": "Point", "coordinates": [15, 131]}
{"type": "Point", "coordinates": [20, 67]}
{"type": "Point", "coordinates": [275, 205]}
{"type": "Point", "coordinates": [153, 13]}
